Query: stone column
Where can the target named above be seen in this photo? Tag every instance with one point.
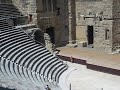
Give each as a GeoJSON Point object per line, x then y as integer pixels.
{"type": "Point", "coordinates": [72, 22]}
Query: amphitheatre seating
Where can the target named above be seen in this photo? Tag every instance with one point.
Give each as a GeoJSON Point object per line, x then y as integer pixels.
{"type": "Point", "coordinates": [9, 11]}
{"type": "Point", "coordinates": [22, 58]}
{"type": "Point", "coordinates": [6, 24]}
{"type": "Point", "coordinates": [1, 88]}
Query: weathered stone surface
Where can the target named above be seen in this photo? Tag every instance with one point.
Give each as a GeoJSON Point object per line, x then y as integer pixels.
{"type": "Point", "coordinates": [100, 14]}
{"type": "Point", "coordinates": [71, 18]}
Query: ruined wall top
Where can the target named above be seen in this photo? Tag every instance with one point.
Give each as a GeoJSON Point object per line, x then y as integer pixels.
{"type": "Point", "coordinates": [27, 6]}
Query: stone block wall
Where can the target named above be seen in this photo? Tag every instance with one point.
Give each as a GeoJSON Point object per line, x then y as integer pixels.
{"type": "Point", "coordinates": [96, 13]}
{"type": "Point", "coordinates": [103, 15]}
{"type": "Point", "coordinates": [59, 22]}
{"type": "Point", "coordinates": [61, 32]}
{"type": "Point", "coordinates": [116, 25]}
{"type": "Point", "coordinates": [27, 7]}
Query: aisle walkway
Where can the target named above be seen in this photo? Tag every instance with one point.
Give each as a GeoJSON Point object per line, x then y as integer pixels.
{"type": "Point", "coordinates": [85, 79]}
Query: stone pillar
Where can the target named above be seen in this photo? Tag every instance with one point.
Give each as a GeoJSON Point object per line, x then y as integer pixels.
{"type": "Point", "coordinates": [72, 22]}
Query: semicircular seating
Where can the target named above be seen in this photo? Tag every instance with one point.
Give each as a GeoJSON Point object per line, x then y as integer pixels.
{"type": "Point", "coordinates": [22, 58]}
{"type": "Point", "coordinates": [9, 11]}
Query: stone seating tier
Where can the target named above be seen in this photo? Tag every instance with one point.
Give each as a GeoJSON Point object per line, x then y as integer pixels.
{"type": "Point", "coordinates": [22, 58]}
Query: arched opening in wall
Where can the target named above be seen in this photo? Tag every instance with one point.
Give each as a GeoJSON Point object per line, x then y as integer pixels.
{"type": "Point", "coordinates": [39, 36]}
{"type": "Point", "coordinates": [90, 35]}
{"type": "Point", "coordinates": [51, 33]}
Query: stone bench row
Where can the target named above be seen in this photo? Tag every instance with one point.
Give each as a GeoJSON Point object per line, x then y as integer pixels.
{"type": "Point", "coordinates": [9, 11]}
{"type": "Point", "coordinates": [6, 24]}
{"type": "Point", "coordinates": [12, 69]}
{"type": "Point", "coordinates": [8, 7]}
{"type": "Point", "coordinates": [18, 48]}
{"type": "Point", "coordinates": [9, 16]}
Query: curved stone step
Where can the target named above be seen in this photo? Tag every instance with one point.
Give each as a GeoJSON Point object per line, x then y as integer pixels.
{"type": "Point", "coordinates": [46, 68]}
{"type": "Point", "coordinates": [29, 63]}
{"type": "Point", "coordinates": [52, 68]}
{"type": "Point", "coordinates": [26, 56]}
{"type": "Point", "coordinates": [9, 39]}
{"type": "Point", "coordinates": [5, 69]}
{"type": "Point", "coordinates": [56, 71]}
{"type": "Point", "coordinates": [59, 74]}
{"type": "Point", "coordinates": [10, 46]}
{"type": "Point", "coordinates": [26, 60]}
